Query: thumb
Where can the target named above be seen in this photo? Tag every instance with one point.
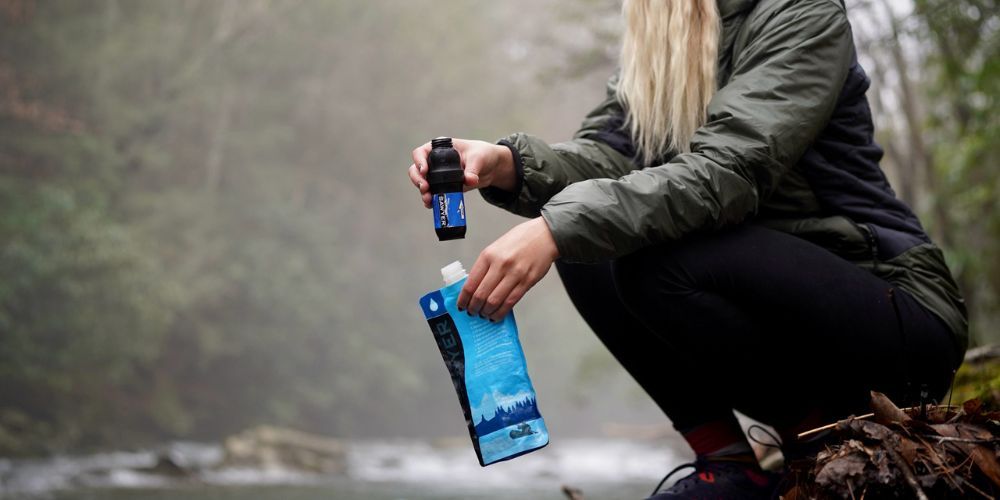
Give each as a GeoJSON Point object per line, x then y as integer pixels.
{"type": "Point", "coordinates": [471, 179]}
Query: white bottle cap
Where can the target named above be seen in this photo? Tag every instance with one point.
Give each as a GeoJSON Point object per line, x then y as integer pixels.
{"type": "Point", "coordinates": [453, 273]}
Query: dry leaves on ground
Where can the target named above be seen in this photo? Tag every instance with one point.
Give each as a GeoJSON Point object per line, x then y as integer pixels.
{"type": "Point", "coordinates": [929, 452]}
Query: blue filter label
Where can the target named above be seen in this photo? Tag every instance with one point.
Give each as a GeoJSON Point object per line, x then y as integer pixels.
{"type": "Point", "coordinates": [449, 209]}
{"type": "Point", "coordinates": [489, 372]}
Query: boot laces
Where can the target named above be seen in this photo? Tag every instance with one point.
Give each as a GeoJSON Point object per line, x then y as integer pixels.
{"type": "Point", "coordinates": [699, 465]}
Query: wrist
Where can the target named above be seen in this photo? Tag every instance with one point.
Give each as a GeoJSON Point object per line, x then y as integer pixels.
{"type": "Point", "coordinates": [504, 173]}
{"type": "Point", "coordinates": [545, 236]}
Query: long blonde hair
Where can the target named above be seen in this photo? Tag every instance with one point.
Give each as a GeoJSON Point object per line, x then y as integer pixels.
{"type": "Point", "coordinates": [668, 66]}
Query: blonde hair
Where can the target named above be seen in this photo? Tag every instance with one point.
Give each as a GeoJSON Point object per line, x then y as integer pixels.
{"type": "Point", "coordinates": [668, 66]}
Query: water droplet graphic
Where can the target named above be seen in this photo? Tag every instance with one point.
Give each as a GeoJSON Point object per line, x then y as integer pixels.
{"type": "Point", "coordinates": [433, 306]}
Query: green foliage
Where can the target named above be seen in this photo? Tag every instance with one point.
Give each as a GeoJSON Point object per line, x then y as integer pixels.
{"type": "Point", "coordinates": [978, 381]}
{"type": "Point", "coordinates": [204, 217]}
{"type": "Point", "coordinates": [963, 42]}
{"type": "Point", "coordinates": [204, 222]}
{"type": "Point", "coordinates": [80, 315]}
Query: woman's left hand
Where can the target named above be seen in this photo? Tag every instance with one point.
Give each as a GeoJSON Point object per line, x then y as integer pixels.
{"type": "Point", "coordinates": [507, 269]}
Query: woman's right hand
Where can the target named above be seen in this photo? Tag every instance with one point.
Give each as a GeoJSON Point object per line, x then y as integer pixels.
{"type": "Point", "coordinates": [485, 165]}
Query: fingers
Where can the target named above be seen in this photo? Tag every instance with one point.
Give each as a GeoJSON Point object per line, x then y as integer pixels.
{"type": "Point", "coordinates": [508, 303]}
{"type": "Point", "coordinates": [418, 172]}
{"type": "Point", "coordinates": [475, 157]}
{"type": "Point", "coordinates": [420, 158]}
{"type": "Point", "coordinates": [483, 290]}
{"type": "Point", "coordinates": [493, 287]}
{"type": "Point", "coordinates": [421, 183]}
{"type": "Point", "coordinates": [476, 275]}
{"type": "Point", "coordinates": [495, 301]}
{"type": "Point", "coordinates": [416, 178]}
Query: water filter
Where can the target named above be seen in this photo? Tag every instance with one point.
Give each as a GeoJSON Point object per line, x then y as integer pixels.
{"type": "Point", "coordinates": [446, 179]}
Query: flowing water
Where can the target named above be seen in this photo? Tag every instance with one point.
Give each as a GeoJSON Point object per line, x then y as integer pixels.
{"type": "Point", "coordinates": [376, 470]}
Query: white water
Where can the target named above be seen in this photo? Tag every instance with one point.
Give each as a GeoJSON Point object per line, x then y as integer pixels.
{"type": "Point", "coordinates": [449, 467]}
{"type": "Point", "coordinates": [574, 461]}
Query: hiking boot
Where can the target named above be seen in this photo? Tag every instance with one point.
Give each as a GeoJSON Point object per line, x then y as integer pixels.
{"type": "Point", "coordinates": [719, 479]}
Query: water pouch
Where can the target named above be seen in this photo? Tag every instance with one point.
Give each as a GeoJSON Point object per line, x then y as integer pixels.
{"type": "Point", "coordinates": [488, 369]}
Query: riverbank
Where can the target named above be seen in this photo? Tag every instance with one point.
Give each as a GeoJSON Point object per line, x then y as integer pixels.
{"type": "Point", "coordinates": [380, 470]}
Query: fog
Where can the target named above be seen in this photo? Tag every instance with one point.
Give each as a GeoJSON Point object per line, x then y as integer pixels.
{"type": "Point", "coordinates": [254, 250]}
{"type": "Point", "coordinates": [207, 224]}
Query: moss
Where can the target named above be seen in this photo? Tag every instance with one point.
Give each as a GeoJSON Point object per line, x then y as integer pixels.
{"type": "Point", "coordinates": [978, 380]}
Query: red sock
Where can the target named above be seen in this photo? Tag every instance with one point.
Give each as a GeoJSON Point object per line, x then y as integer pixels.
{"type": "Point", "coordinates": [718, 438]}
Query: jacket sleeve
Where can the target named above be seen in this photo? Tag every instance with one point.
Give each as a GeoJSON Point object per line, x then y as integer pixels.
{"type": "Point", "coordinates": [784, 86]}
{"type": "Point", "coordinates": [599, 149]}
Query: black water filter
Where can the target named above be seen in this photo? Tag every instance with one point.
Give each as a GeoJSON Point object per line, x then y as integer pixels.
{"type": "Point", "coordinates": [446, 178]}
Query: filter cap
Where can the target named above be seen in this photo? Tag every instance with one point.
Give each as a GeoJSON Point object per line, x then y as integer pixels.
{"type": "Point", "coordinates": [453, 273]}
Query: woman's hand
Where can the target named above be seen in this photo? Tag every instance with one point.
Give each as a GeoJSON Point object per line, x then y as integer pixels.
{"type": "Point", "coordinates": [507, 269]}
{"type": "Point", "coordinates": [485, 165]}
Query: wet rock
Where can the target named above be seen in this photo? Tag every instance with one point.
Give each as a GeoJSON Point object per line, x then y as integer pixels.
{"type": "Point", "coordinates": [166, 466]}
{"type": "Point", "coordinates": [268, 447]}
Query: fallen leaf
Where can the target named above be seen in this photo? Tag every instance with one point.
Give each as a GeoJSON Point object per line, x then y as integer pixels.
{"type": "Point", "coordinates": [837, 473]}
{"type": "Point", "coordinates": [972, 406]}
{"type": "Point", "coordinates": [886, 411]}
{"type": "Point", "coordinates": [986, 460]}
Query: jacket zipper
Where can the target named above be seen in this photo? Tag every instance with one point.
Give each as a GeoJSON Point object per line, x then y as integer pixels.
{"type": "Point", "coordinates": [870, 236]}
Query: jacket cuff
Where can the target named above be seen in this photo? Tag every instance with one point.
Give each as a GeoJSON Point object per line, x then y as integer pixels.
{"type": "Point", "coordinates": [562, 226]}
{"type": "Point", "coordinates": [557, 228]}
{"type": "Point", "coordinates": [578, 236]}
{"type": "Point", "coordinates": [502, 197]}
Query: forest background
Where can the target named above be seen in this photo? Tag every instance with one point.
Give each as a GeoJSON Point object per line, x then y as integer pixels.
{"type": "Point", "coordinates": [205, 221]}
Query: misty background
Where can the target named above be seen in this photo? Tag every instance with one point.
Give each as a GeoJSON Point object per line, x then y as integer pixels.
{"type": "Point", "coordinates": [206, 222]}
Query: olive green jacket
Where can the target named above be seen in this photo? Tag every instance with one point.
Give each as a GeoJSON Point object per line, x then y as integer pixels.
{"type": "Point", "coordinates": [787, 144]}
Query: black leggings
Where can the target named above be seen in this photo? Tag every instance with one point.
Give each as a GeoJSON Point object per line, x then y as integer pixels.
{"type": "Point", "coordinates": [763, 322]}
